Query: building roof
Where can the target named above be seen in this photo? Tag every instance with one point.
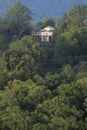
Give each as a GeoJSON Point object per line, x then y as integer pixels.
{"type": "Point", "coordinates": [48, 28]}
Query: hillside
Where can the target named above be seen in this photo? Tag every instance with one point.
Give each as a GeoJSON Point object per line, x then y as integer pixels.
{"type": "Point", "coordinates": [43, 86]}
{"type": "Point", "coordinates": [41, 8]}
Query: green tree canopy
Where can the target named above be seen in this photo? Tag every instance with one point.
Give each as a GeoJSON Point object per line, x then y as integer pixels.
{"type": "Point", "coordinates": [45, 22]}
{"type": "Point", "coordinates": [24, 55]}
{"type": "Point", "coordinates": [76, 15]}
{"type": "Point", "coordinates": [19, 18]}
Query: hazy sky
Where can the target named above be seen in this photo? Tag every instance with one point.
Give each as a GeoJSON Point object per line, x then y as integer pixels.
{"type": "Point", "coordinates": [41, 8]}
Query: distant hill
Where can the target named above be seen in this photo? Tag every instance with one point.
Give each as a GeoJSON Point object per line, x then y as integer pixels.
{"type": "Point", "coordinates": [42, 8]}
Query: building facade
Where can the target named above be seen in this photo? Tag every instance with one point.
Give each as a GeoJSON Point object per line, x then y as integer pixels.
{"type": "Point", "coordinates": [45, 34]}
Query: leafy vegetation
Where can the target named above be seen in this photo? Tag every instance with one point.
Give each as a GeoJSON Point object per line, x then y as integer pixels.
{"type": "Point", "coordinates": [43, 87]}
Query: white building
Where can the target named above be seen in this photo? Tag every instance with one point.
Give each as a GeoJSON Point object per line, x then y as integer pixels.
{"type": "Point", "coordinates": [45, 34]}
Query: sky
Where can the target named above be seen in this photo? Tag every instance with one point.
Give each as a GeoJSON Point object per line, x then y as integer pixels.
{"type": "Point", "coordinates": [42, 8]}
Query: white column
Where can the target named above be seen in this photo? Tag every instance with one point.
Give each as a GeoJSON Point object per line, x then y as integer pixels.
{"type": "Point", "coordinates": [47, 38]}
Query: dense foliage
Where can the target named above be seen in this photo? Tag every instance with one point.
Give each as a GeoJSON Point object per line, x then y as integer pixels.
{"type": "Point", "coordinates": [43, 87]}
{"type": "Point", "coordinates": [57, 101]}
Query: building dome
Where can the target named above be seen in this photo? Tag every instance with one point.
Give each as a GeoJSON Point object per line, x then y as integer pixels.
{"type": "Point", "coordinates": [48, 28]}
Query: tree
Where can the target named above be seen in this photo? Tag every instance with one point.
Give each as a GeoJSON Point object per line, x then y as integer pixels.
{"type": "Point", "coordinates": [45, 22]}
{"type": "Point", "coordinates": [81, 70]}
{"type": "Point", "coordinates": [52, 80]}
{"type": "Point", "coordinates": [76, 15]}
{"type": "Point", "coordinates": [4, 34]}
{"type": "Point", "coordinates": [67, 75]}
{"type": "Point", "coordinates": [19, 18]}
{"type": "Point", "coordinates": [70, 44]}
{"type": "Point", "coordinates": [12, 118]}
{"type": "Point", "coordinates": [3, 79]}
{"type": "Point", "coordinates": [24, 56]}
{"type": "Point", "coordinates": [48, 22]}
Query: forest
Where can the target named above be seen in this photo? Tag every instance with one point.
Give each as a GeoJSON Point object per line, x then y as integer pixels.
{"type": "Point", "coordinates": [43, 87]}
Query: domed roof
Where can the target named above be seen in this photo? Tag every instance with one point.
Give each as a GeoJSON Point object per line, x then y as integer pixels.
{"type": "Point", "coordinates": [48, 28]}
